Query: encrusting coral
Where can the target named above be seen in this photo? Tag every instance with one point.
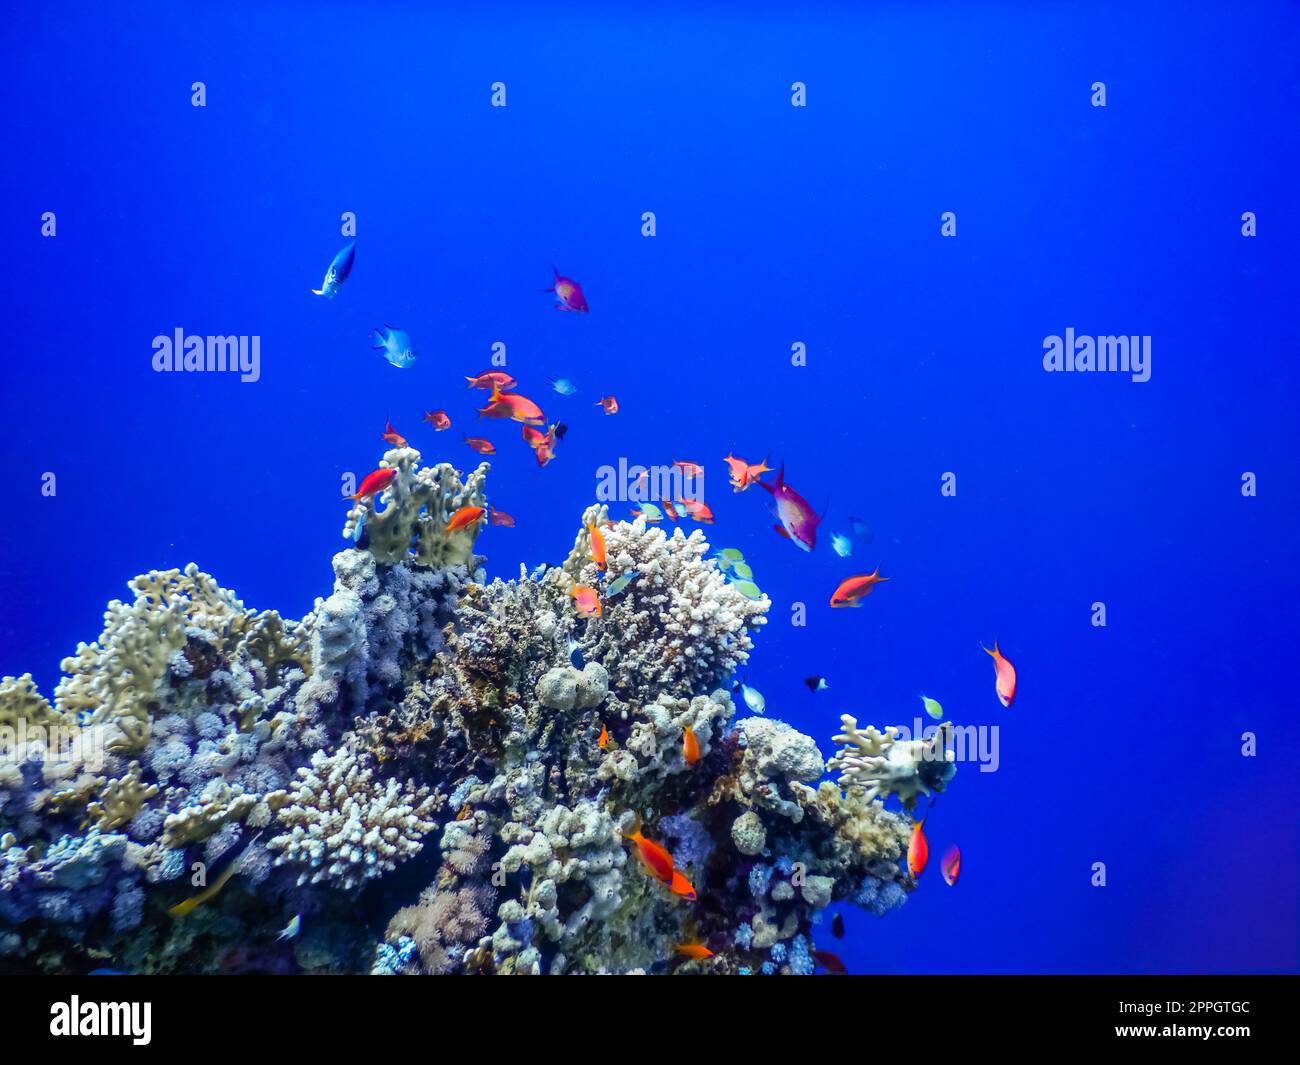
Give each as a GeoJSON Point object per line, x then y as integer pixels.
{"type": "Point", "coordinates": [436, 774]}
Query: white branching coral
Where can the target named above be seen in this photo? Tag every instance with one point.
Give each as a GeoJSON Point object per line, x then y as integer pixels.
{"type": "Point", "coordinates": [417, 504]}
{"type": "Point", "coordinates": [883, 764]}
{"type": "Point", "coordinates": [347, 827]}
{"type": "Point", "coordinates": [679, 627]}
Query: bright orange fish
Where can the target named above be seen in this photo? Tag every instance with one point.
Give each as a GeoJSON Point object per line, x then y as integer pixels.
{"type": "Point", "coordinates": [609, 403]}
{"type": "Point", "coordinates": [690, 746]}
{"type": "Point", "coordinates": [372, 484]}
{"type": "Point", "coordinates": [483, 447]}
{"type": "Point", "coordinates": [853, 590]}
{"type": "Point", "coordinates": [679, 885]}
{"type": "Point", "coordinates": [587, 600]}
{"type": "Point", "coordinates": [918, 849]}
{"type": "Point", "coordinates": [392, 436]}
{"type": "Point", "coordinates": [515, 407]}
{"type": "Point", "coordinates": [500, 517]}
{"type": "Point", "coordinates": [691, 469]}
{"type": "Point", "coordinates": [1005, 674]}
{"type": "Point", "coordinates": [603, 741]}
{"type": "Point", "coordinates": [438, 419]}
{"type": "Point", "coordinates": [464, 517]}
{"type": "Point", "coordinates": [694, 951]}
{"type": "Point", "coordinates": [950, 864]}
{"type": "Point", "coordinates": [597, 539]}
{"type": "Point", "coordinates": [534, 438]}
{"type": "Point", "coordinates": [498, 379]}
{"type": "Point", "coordinates": [697, 510]}
{"type": "Point", "coordinates": [657, 860]}
{"type": "Point", "coordinates": [742, 474]}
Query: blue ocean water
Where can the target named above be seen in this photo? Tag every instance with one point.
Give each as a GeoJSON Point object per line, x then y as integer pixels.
{"type": "Point", "coordinates": [776, 225]}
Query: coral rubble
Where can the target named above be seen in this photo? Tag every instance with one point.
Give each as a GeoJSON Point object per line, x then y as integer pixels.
{"type": "Point", "coordinates": [435, 773]}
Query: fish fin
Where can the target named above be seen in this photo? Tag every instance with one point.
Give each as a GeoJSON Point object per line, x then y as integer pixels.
{"type": "Point", "coordinates": [318, 292]}
{"type": "Point", "coordinates": [780, 531]}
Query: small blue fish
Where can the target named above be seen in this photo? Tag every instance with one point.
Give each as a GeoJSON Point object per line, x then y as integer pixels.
{"type": "Point", "coordinates": [563, 385]}
{"type": "Point", "coordinates": [396, 346]}
{"type": "Point", "coordinates": [359, 528]}
{"type": "Point", "coordinates": [619, 583]}
{"type": "Point", "coordinates": [575, 654]}
{"type": "Point", "coordinates": [861, 531]}
{"type": "Point", "coordinates": [753, 699]}
{"type": "Point", "coordinates": [842, 544]}
{"type": "Point", "coordinates": [291, 929]}
{"type": "Point", "coordinates": [340, 270]}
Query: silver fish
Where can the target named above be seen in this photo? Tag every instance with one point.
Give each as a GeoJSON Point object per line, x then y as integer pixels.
{"type": "Point", "coordinates": [396, 346]}
{"type": "Point", "coordinates": [340, 270]}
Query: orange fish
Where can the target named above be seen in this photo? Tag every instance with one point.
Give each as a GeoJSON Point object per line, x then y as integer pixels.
{"type": "Point", "coordinates": [464, 517]}
{"type": "Point", "coordinates": [950, 864]}
{"type": "Point", "coordinates": [918, 850]}
{"type": "Point", "coordinates": [510, 405]}
{"type": "Point", "coordinates": [830, 962]}
{"type": "Point", "coordinates": [496, 379]}
{"type": "Point", "coordinates": [372, 484]}
{"type": "Point", "coordinates": [483, 447]}
{"type": "Point", "coordinates": [694, 951]}
{"type": "Point", "coordinates": [603, 741]}
{"type": "Point", "coordinates": [544, 452]}
{"type": "Point", "coordinates": [679, 885]}
{"type": "Point", "coordinates": [691, 469]}
{"type": "Point", "coordinates": [438, 419]}
{"type": "Point", "coordinates": [1005, 675]}
{"type": "Point", "coordinates": [697, 510]}
{"type": "Point", "coordinates": [587, 600]}
{"type": "Point", "coordinates": [609, 403]}
{"type": "Point", "coordinates": [534, 438]}
{"type": "Point", "coordinates": [392, 436]}
{"type": "Point", "coordinates": [500, 517]}
{"type": "Point", "coordinates": [657, 861]}
{"type": "Point", "coordinates": [690, 746]}
{"type": "Point", "coordinates": [742, 474]}
{"type": "Point", "coordinates": [853, 590]}
{"type": "Point", "coordinates": [669, 509]}
{"type": "Point", "coordinates": [597, 539]}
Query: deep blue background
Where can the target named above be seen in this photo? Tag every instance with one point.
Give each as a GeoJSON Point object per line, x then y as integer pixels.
{"type": "Point", "coordinates": [776, 225]}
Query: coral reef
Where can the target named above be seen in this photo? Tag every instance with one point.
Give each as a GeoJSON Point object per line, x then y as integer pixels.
{"type": "Point", "coordinates": [436, 774]}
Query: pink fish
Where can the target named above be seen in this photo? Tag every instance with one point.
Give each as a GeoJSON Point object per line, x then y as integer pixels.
{"type": "Point", "coordinates": [797, 518]}
{"type": "Point", "coordinates": [568, 294]}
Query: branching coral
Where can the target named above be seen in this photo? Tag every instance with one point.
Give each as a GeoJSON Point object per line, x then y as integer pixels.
{"type": "Point", "coordinates": [885, 765]}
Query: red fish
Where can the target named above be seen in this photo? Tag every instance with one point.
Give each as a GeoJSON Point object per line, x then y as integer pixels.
{"type": "Point", "coordinates": [438, 419]}
{"type": "Point", "coordinates": [609, 403]}
{"type": "Point", "coordinates": [796, 516]}
{"type": "Point", "coordinates": [373, 483]}
{"type": "Point", "coordinates": [489, 379]}
{"type": "Point", "coordinates": [545, 452]}
{"type": "Point", "coordinates": [743, 475]}
{"type": "Point", "coordinates": [597, 539]}
{"type": "Point", "coordinates": [697, 510]}
{"type": "Point", "coordinates": [657, 860]}
{"type": "Point", "coordinates": [509, 405]}
{"type": "Point", "coordinates": [690, 746]}
{"type": "Point", "coordinates": [483, 447]}
{"type": "Point", "coordinates": [587, 600]}
{"type": "Point", "coordinates": [853, 590]}
{"type": "Point", "coordinates": [463, 518]}
{"type": "Point", "coordinates": [500, 517]}
{"type": "Point", "coordinates": [1005, 675]}
{"type": "Point", "coordinates": [534, 438]}
{"type": "Point", "coordinates": [950, 864]}
{"type": "Point", "coordinates": [568, 293]}
{"type": "Point", "coordinates": [603, 741]}
{"type": "Point", "coordinates": [918, 849]}
{"type": "Point", "coordinates": [694, 951]}
{"type": "Point", "coordinates": [679, 885]}
{"type": "Point", "coordinates": [830, 962]}
{"type": "Point", "coordinates": [392, 436]}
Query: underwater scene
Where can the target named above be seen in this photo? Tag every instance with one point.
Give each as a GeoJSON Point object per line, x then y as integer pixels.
{"type": "Point", "coordinates": [666, 489]}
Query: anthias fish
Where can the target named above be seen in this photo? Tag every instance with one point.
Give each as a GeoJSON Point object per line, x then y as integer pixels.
{"type": "Point", "coordinates": [340, 269]}
{"type": "Point", "coordinates": [514, 406]}
{"type": "Point", "coordinates": [568, 293]}
{"type": "Point", "coordinates": [950, 865]}
{"type": "Point", "coordinates": [392, 436]}
{"type": "Point", "coordinates": [690, 746]}
{"type": "Point", "coordinates": [1004, 675]}
{"type": "Point", "coordinates": [918, 849]}
{"type": "Point", "coordinates": [853, 590]}
{"type": "Point", "coordinates": [597, 539]}
{"type": "Point", "coordinates": [830, 962]}
{"type": "Point", "coordinates": [679, 885]}
{"type": "Point", "coordinates": [483, 447]}
{"type": "Point", "coordinates": [464, 517]}
{"type": "Point", "coordinates": [798, 520]}
{"type": "Point", "coordinates": [492, 379]}
{"type": "Point", "coordinates": [697, 510]}
{"type": "Point", "coordinates": [694, 951]}
{"type": "Point", "coordinates": [438, 419]}
{"type": "Point", "coordinates": [608, 403]}
{"type": "Point", "coordinates": [396, 346]}
{"type": "Point", "coordinates": [657, 860]}
{"type": "Point", "coordinates": [501, 518]}
{"type": "Point", "coordinates": [586, 601]}
{"type": "Point", "coordinates": [372, 484]}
